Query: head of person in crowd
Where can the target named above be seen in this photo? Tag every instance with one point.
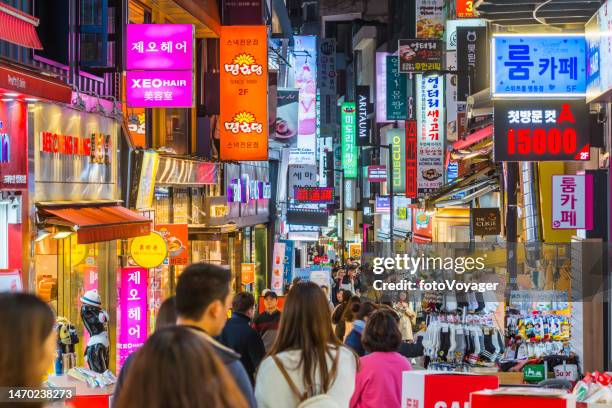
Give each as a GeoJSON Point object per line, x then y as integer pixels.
{"type": "Point", "coordinates": [270, 301]}
{"type": "Point", "coordinates": [294, 282]}
{"type": "Point", "coordinates": [381, 332]}
{"type": "Point", "coordinates": [176, 368]}
{"type": "Point", "coordinates": [244, 303]}
{"type": "Point", "coordinates": [362, 311]}
{"type": "Point", "coordinates": [403, 296]}
{"type": "Point", "coordinates": [166, 315]}
{"type": "Point", "coordinates": [353, 271]}
{"type": "Point", "coordinates": [305, 325]}
{"type": "Point", "coordinates": [27, 340]}
{"type": "Point", "coordinates": [204, 297]}
{"type": "Point", "coordinates": [344, 296]}
{"type": "Point", "coordinates": [347, 316]}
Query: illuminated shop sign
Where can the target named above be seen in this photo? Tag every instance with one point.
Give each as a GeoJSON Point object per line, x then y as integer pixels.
{"type": "Point", "coordinates": [419, 55]}
{"type": "Point", "coordinates": [13, 145]}
{"type": "Point", "coordinates": [159, 89]}
{"type": "Point", "coordinates": [430, 133]}
{"type": "Point", "coordinates": [159, 47]}
{"type": "Point", "coordinates": [97, 147]}
{"type": "Point", "coordinates": [244, 190]}
{"type": "Point", "coordinates": [541, 130]}
{"type": "Point", "coordinates": [382, 204]}
{"type": "Point", "coordinates": [572, 201]}
{"type": "Point", "coordinates": [465, 8]}
{"type": "Point", "coordinates": [320, 195]}
{"type": "Point", "coordinates": [398, 157]}
{"type": "Point", "coordinates": [377, 174]}
{"type": "Point", "coordinates": [349, 146]}
{"type": "Point", "coordinates": [538, 65]}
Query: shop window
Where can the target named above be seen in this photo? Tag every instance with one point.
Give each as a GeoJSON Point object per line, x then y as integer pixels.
{"type": "Point", "coordinates": [180, 206]}
{"type": "Point", "coordinates": [177, 130]}
{"type": "Point", "coordinates": [93, 37]}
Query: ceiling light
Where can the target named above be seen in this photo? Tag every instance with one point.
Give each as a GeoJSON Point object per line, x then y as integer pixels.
{"type": "Point", "coordinates": [41, 235]}
{"type": "Point", "coordinates": [62, 234]}
{"type": "Point", "coordinates": [11, 94]}
{"type": "Point", "coordinates": [7, 99]}
{"type": "Point", "coordinates": [31, 100]}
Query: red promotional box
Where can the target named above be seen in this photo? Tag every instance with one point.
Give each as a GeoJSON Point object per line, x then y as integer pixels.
{"type": "Point", "coordinates": [434, 389]}
{"type": "Point", "coordinates": [522, 397]}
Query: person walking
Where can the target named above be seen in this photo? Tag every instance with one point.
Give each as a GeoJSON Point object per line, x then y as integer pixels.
{"type": "Point", "coordinates": [379, 380]}
{"type": "Point", "coordinates": [267, 322]}
{"type": "Point", "coordinates": [175, 368]}
{"type": "Point", "coordinates": [361, 311]}
{"type": "Point", "coordinates": [348, 316]}
{"type": "Point", "coordinates": [307, 365]}
{"type": "Point", "coordinates": [28, 342]}
{"type": "Point", "coordinates": [241, 337]}
{"type": "Point", "coordinates": [166, 315]}
{"type": "Point", "coordinates": [203, 299]}
{"type": "Point", "coordinates": [407, 317]}
{"type": "Point", "coordinates": [344, 296]}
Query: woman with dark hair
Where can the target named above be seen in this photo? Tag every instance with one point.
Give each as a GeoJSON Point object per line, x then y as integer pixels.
{"type": "Point", "coordinates": [344, 296]}
{"type": "Point", "coordinates": [27, 341]}
{"type": "Point", "coordinates": [379, 381]}
{"type": "Point", "coordinates": [177, 368]}
{"type": "Point", "coordinates": [166, 315]}
{"type": "Point", "coordinates": [361, 313]}
{"type": "Point", "coordinates": [307, 360]}
{"type": "Point", "coordinates": [348, 316]}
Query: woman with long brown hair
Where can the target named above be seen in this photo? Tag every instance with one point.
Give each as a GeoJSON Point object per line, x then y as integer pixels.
{"type": "Point", "coordinates": [307, 360]}
{"type": "Point", "coordinates": [27, 340]}
{"type": "Point", "coordinates": [176, 368]}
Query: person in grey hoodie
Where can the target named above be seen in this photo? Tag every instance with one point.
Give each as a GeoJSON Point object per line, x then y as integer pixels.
{"type": "Point", "coordinates": [203, 298]}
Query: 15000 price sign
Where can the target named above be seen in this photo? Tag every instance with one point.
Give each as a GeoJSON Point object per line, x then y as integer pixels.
{"type": "Point", "coordinates": [541, 131]}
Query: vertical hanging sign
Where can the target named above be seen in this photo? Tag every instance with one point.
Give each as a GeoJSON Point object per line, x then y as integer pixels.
{"type": "Point", "coordinates": [244, 87]}
{"type": "Point", "coordinates": [349, 146]}
{"type": "Point", "coordinates": [572, 201]}
{"type": "Point", "coordinates": [430, 134]}
{"type": "Point", "coordinates": [327, 86]}
{"type": "Point", "coordinates": [398, 159]}
{"type": "Point", "coordinates": [362, 97]}
{"type": "Point", "coordinates": [132, 312]}
{"type": "Point", "coordinates": [397, 88]}
{"type": "Point", "coordinates": [411, 158]}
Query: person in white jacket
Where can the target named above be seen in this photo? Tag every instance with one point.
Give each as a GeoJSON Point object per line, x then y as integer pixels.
{"type": "Point", "coordinates": [306, 360]}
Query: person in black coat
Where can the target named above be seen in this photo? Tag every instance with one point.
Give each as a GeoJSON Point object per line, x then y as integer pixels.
{"type": "Point", "coordinates": [241, 337]}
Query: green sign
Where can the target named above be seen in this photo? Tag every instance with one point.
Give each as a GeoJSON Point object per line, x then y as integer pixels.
{"type": "Point", "coordinates": [398, 159]}
{"type": "Point", "coordinates": [534, 373]}
{"type": "Point", "coordinates": [397, 91]}
{"type": "Point", "coordinates": [349, 145]}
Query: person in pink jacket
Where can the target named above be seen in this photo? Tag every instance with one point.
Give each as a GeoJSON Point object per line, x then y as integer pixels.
{"type": "Point", "coordinates": [379, 380]}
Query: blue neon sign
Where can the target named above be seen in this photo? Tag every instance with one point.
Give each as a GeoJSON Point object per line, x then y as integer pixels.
{"type": "Point", "coordinates": [539, 65]}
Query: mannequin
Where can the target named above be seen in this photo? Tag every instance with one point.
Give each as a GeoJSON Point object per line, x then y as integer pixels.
{"type": "Point", "coordinates": [95, 320]}
{"type": "Point", "coordinates": [67, 337]}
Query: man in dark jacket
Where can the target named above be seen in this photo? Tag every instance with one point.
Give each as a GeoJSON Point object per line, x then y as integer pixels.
{"type": "Point", "coordinates": [241, 337]}
{"type": "Point", "coordinates": [203, 298]}
{"type": "Point", "coordinates": [266, 324]}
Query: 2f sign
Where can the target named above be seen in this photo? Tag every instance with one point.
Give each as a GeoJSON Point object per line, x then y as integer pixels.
{"type": "Point", "coordinates": [453, 404]}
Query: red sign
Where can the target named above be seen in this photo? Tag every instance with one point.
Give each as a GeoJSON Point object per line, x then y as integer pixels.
{"type": "Point", "coordinates": [377, 174]}
{"type": "Point", "coordinates": [33, 85]}
{"type": "Point", "coordinates": [465, 8]}
{"type": "Point", "coordinates": [411, 158]}
{"type": "Point", "coordinates": [320, 195]}
{"type": "Point", "coordinates": [97, 146]}
{"type": "Point", "coordinates": [177, 237]}
{"type": "Point", "coordinates": [13, 146]}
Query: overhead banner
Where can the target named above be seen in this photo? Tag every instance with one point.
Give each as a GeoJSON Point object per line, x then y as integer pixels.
{"type": "Point", "coordinates": [397, 91]}
{"type": "Point", "coordinates": [411, 158]}
{"type": "Point", "coordinates": [304, 66]}
{"type": "Point", "coordinates": [243, 118]}
{"type": "Point", "coordinates": [572, 202]}
{"type": "Point", "coordinates": [472, 61]}
{"type": "Point", "coordinates": [430, 18]}
{"type": "Point", "coordinates": [381, 87]}
{"type": "Point", "coordinates": [327, 86]}
{"type": "Point", "coordinates": [430, 133]}
{"type": "Point", "coordinates": [552, 65]}
{"type": "Point", "coordinates": [541, 130]}
{"type": "Point", "coordinates": [286, 126]}
{"type": "Point", "coordinates": [363, 105]}
{"type": "Point", "coordinates": [420, 55]}
{"type": "Point", "coordinates": [398, 159]}
{"type": "Point", "coordinates": [349, 146]}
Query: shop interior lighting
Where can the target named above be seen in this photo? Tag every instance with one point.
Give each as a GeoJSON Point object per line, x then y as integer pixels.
{"type": "Point", "coordinates": [62, 234]}
{"type": "Point", "coordinates": [7, 99]}
{"type": "Point", "coordinates": [31, 100]}
{"type": "Point", "coordinates": [11, 94]}
{"type": "Point", "coordinates": [41, 235]}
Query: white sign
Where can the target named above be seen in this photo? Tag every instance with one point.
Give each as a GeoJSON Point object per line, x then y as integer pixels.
{"type": "Point", "coordinates": [572, 205]}
{"type": "Point", "coordinates": [452, 127]}
{"type": "Point", "coordinates": [430, 133]}
{"type": "Point", "coordinates": [451, 29]}
{"type": "Point", "coordinates": [301, 175]}
{"type": "Point", "coordinates": [278, 259]}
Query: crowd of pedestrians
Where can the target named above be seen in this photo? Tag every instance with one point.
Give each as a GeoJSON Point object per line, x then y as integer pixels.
{"type": "Point", "coordinates": [327, 348]}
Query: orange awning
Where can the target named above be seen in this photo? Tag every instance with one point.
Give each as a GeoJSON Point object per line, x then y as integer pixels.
{"type": "Point", "coordinates": [98, 223]}
{"type": "Point", "coordinates": [18, 27]}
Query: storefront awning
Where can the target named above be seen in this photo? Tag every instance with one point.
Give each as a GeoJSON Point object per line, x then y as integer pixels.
{"type": "Point", "coordinates": [97, 223]}
{"type": "Point", "coordinates": [18, 27]}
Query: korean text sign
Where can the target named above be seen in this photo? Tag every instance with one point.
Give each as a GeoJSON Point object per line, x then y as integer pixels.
{"type": "Point", "coordinates": [397, 91]}
{"type": "Point", "coordinates": [349, 132]}
{"type": "Point", "coordinates": [13, 145]}
{"type": "Point", "coordinates": [377, 174]}
{"type": "Point", "coordinates": [430, 133]}
{"type": "Point", "coordinates": [160, 47]}
{"type": "Point", "coordinates": [418, 55]}
{"type": "Point", "coordinates": [158, 89]}
{"type": "Point", "coordinates": [398, 159]}
{"type": "Point", "coordinates": [537, 65]}
{"type": "Point", "coordinates": [320, 195]}
{"type": "Point", "coordinates": [244, 92]}
{"type": "Point", "coordinates": [411, 158]}
{"type": "Point", "coordinates": [541, 130]}
{"type": "Point", "coordinates": [133, 311]}
{"type": "Point", "coordinates": [572, 206]}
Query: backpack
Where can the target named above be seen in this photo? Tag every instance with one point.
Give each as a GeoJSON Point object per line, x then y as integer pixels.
{"type": "Point", "coordinates": [316, 401]}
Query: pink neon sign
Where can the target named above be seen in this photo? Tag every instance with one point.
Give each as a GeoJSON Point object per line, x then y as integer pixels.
{"type": "Point", "coordinates": [158, 89]}
{"type": "Point", "coordinates": [159, 47]}
{"type": "Point", "coordinates": [132, 312]}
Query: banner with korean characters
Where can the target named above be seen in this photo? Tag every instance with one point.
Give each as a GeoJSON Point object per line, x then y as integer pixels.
{"type": "Point", "coordinates": [430, 18]}
{"type": "Point", "coordinates": [430, 133]}
{"type": "Point", "coordinates": [572, 201]}
{"type": "Point", "coordinates": [472, 61]}
{"type": "Point", "coordinates": [177, 237]}
{"type": "Point", "coordinates": [243, 118]}
{"type": "Point", "coordinates": [348, 129]}
{"type": "Point", "coordinates": [327, 86]}
{"type": "Point", "coordinates": [527, 65]}
{"type": "Point", "coordinates": [397, 137]}
{"type": "Point", "coordinates": [159, 47]}
{"type": "Point", "coordinates": [411, 158]}
{"type": "Point", "coordinates": [159, 89]}
{"type": "Point", "coordinates": [301, 175]}
{"type": "Point", "coordinates": [132, 312]}
{"type": "Point", "coordinates": [420, 55]}
{"type": "Point", "coordinates": [397, 90]}
{"type": "Point", "coordinates": [541, 130]}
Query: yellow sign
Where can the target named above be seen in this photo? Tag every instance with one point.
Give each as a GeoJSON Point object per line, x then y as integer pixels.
{"type": "Point", "coordinates": [355, 251]}
{"type": "Point", "coordinates": [149, 251]}
{"type": "Point", "coordinates": [78, 252]}
{"type": "Point", "coordinates": [247, 273]}
{"type": "Point", "coordinates": [217, 211]}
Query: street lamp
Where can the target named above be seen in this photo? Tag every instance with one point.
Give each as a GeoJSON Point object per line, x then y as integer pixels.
{"type": "Point", "coordinates": [389, 147]}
